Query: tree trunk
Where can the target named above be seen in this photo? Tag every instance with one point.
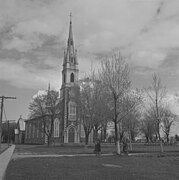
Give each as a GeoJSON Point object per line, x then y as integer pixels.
{"type": "Point", "coordinates": [132, 135]}
{"type": "Point", "coordinates": [117, 141]}
{"type": "Point", "coordinates": [161, 144]}
{"type": "Point", "coordinates": [167, 135]}
{"type": "Point", "coordinates": [147, 139]}
{"type": "Point", "coordinates": [95, 134]}
{"type": "Point", "coordinates": [116, 132]}
{"type": "Point", "coordinates": [86, 138]}
{"type": "Point", "coordinates": [130, 142]}
{"type": "Point", "coordinates": [116, 127]}
{"type": "Point", "coordinates": [48, 140]}
{"type": "Point", "coordinates": [118, 149]}
{"type": "Point", "coordinates": [104, 133]}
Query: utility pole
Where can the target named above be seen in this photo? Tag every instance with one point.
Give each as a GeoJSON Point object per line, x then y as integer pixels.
{"type": "Point", "coordinates": [2, 106]}
{"type": "Point", "coordinates": [8, 139]}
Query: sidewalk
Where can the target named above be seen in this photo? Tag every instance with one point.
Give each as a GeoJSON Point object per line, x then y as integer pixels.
{"type": "Point", "coordinates": [35, 155]}
{"type": "Point", "coordinates": [29, 155]}
{"type": "Point", "coordinates": [4, 160]}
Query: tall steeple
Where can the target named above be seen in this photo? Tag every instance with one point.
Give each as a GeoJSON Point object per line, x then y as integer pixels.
{"type": "Point", "coordinates": [70, 38]}
{"type": "Point", "coordinates": [70, 53]}
{"type": "Point", "coordinates": [70, 64]}
{"type": "Point", "coordinates": [49, 86]}
{"type": "Point", "coordinates": [69, 91]}
{"type": "Point", "coordinates": [48, 96]}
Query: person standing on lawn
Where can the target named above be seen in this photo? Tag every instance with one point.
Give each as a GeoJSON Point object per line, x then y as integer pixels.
{"type": "Point", "coordinates": [125, 145]}
{"type": "Point", "coordinates": [97, 149]}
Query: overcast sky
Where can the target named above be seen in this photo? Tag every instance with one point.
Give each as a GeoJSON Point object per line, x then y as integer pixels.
{"type": "Point", "coordinates": [33, 36]}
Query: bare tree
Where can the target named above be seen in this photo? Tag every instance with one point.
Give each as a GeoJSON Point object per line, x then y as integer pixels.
{"type": "Point", "coordinates": [131, 124]}
{"type": "Point", "coordinates": [93, 107]}
{"type": "Point", "coordinates": [147, 125]}
{"type": "Point", "coordinates": [46, 107]}
{"type": "Point", "coordinates": [129, 115]}
{"type": "Point", "coordinates": [156, 93]}
{"type": "Point", "coordinates": [114, 75]}
{"type": "Point", "coordinates": [168, 119]}
{"type": "Point", "coordinates": [86, 107]}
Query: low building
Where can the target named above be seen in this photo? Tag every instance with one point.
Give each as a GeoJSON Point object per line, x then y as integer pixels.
{"type": "Point", "coordinates": [8, 128]}
{"type": "Point", "coordinates": [20, 131]}
{"type": "Point", "coordinates": [36, 134]}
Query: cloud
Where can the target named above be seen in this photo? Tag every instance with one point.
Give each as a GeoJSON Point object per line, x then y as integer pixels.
{"type": "Point", "coordinates": [16, 74]}
{"type": "Point", "coordinates": [23, 44]}
{"type": "Point", "coordinates": [173, 102]}
{"type": "Point", "coordinates": [36, 31]}
{"type": "Point", "coordinates": [171, 60]}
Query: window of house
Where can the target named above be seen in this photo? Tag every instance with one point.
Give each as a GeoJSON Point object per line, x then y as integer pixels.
{"type": "Point", "coordinates": [56, 128]}
{"type": "Point", "coordinates": [72, 77]}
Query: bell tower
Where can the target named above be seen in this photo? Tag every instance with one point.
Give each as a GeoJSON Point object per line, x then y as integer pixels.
{"type": "Point", "coordinates": [69, 91]}
{"type": "Point", "coordinates": [70, 64]}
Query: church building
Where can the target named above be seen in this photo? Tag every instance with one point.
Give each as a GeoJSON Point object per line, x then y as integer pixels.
{"type": "Point", "coordinates": [69, 92]}
{"type": "Point", "coordinates": [68, 127]}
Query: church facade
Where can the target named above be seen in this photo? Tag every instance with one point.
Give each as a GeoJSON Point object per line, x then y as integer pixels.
{"type": "Point", "coordinates": [68, 127]}
{"type": "Point", "coordinates": [69, 93]}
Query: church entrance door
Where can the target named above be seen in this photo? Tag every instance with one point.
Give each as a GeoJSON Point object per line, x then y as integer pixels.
{"type": "Point", "coordinates": [71, 135]}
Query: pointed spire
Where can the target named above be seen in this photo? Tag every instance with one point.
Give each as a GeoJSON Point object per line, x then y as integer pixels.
{"type": "Point", "coordinates": [48, 90]}
{"type": "Point", "coordinates": [70, 38]}
{"type": "Point", "coordinates": [70, 53]}
{"type": "Point", "coordinates": [49, 86]}
{"type": "Point", "coordinates": [48, 95]}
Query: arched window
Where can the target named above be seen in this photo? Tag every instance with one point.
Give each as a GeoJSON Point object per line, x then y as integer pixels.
{"type": "Point", "coordinates": [72, 77]}
{"type": "Point", "coordinates": [56, 128]}
{"type": "Point", "coordinates": [72, 109]}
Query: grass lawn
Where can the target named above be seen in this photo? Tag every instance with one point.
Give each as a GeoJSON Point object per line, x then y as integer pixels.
{"type": "Point", "coordinates": [4, 146]}
{"type": "Point", "coordinates": [43, 149]}
{"type": "Point", "coordinates": [106, 148]}
{"type": "Point", "coordinates": [94, 168]}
